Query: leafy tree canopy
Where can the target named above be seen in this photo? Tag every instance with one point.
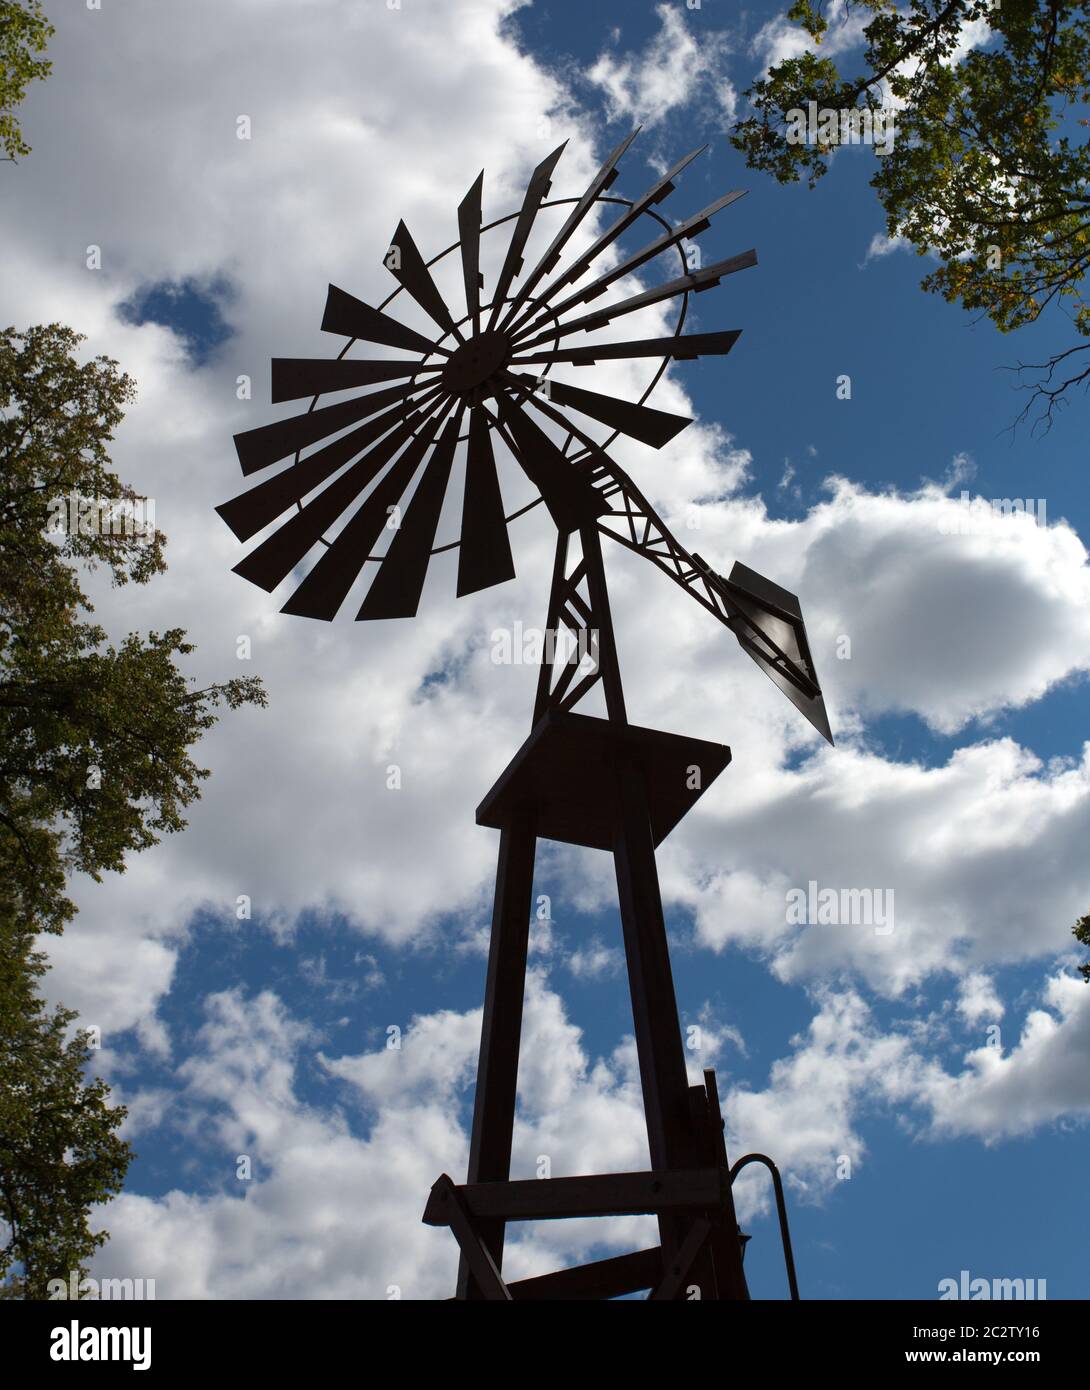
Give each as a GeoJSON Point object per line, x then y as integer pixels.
{"type": "Point", "coordinates": [989, 170]}
{"type": "Point", "coordinates": [94, 737]}
{"type": "Point", "coordinates": [1081, 931]}
{"type": "Point", "coordinates": [94, 763]}
{"type": "Point", "coordinates": [59, 1150]}
{"type": "Point", "coordinates": [24, 33]}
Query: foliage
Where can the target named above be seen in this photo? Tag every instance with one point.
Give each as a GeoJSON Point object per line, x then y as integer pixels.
{"type": "Point", "coordinates": [94, 737]}
{"type": "Point", "coordinates": [94, 764]}
{"type": "Point", "coordinates": [59, 1151]}
{"type": "Point", "coordinates": [990, 168]}
{"type": "Point", "coordinates": [24, 33]}
{"type": "Point", "coordinates": [1081, 931]}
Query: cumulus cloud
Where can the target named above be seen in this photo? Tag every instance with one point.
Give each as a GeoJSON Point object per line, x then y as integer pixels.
{"type": "Point", "coordinates": [1042, 1079]}
{"type": "Point", "coordinates": [1014, 597]}
{"type": "Point", "coordinates": [780, 39]}
{"type": "Point", "coordinates": [282, 1231]}
{"type": "Point", "coordinates": [308, 1222]}
{"type": "Point", "coordinates": [851, 820]}
{"type": "Point", "coordinates": [881, 246]}
{"type": "Point", "coordinates": [594, 960]}
{"type": "Point", "coordinates": [978, 1000]}
{"type": "Point", "coordinates": [680, 64]}
{"type": "Point", "coordinates": [328, 1213]}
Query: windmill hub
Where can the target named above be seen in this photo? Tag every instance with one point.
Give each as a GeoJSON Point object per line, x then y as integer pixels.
{"type": "Point", "coordinates": [475, 361]}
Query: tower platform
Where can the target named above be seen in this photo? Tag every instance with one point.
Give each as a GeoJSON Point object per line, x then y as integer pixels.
{"type": "Point", "coordinates": [565, 772]}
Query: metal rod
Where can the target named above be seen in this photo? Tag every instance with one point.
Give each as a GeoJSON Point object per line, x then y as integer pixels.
{"type": "Point", "coordinates": [781, 1207]}
{"type": "Point", "coordinates": [603, 622]}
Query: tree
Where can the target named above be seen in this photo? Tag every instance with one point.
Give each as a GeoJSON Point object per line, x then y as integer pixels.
{"type": "Point", "coordinates": [94, 764]}
{"type": "Point", "coordinates": [59, 1152]}
{"type": "Point", "coordinates": [989, 170]}
{"type": "Point", "coordinates": [94, 737]}
{"type": "Point", "coordinates": [24, 33]}
{"type": "Point", "coordinates": [1081, 931]}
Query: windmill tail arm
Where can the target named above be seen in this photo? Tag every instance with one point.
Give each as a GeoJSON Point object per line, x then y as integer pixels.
{"type": "Point", "coordinates": [766, 619]}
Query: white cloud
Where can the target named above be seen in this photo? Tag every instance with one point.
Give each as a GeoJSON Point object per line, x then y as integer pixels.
{"type": "Point", "coordinates": [285, 1231]}
{"type": "Point", "coordinates": [882, 246]}
{"type": "Point", "coordinates": [1041, 1080]}
{"type": "Point", "coordinates": [328, 1214]}
{"type": "Point", "coordinates": [595, 960]}
{"type": "Point", "coordinates": [960, 469]}
{"type": "Point", "coordinates": [806, 1116]}
{"type": "Point", "coordinates": [780, 39]}
{"type": "Point", "coordinates": [978, 1000]}
{"type": "Point", "coordinates": [680, 63]}
{"type": "Point", "coordinates": [325, 1214]}
{"type": "Point", "coordinates": [805, 1119]}
{"type": "Point", "coordinates": [952, 626]}
{"type": "Point", "coordinates": [971, 890]}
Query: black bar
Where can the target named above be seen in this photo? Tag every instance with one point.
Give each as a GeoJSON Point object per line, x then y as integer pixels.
{"type": "Point", "coordinates": [610, 1278]}
{"type": "Point", "coordinates": [684, 1263]}
{"type": "Point", "coordinates": [475, 1253]}
{"type": "Point", "coordinates": [597, 1194]}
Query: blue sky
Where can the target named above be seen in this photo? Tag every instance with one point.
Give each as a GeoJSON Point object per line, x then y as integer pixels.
{"type": "Point", "coordinates": [929, 387]}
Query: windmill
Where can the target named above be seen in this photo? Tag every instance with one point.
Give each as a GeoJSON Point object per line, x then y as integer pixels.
{"type": "Point", "coordinates": [379, 464]}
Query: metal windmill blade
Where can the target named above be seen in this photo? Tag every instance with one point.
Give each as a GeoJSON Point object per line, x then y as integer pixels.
{"type": "Point", "coordinates": [354, 462]}
{"type": "Point", "coordinates": [391, 450]}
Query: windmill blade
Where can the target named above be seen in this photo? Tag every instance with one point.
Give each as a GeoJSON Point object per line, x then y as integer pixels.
{"type": "Point", "coordinates": [595, 467]}
{"type": "Point", "coordinates": [395, 591]}
{"type": "Point", "coordinates": [536, 190]}
{"type": "Point", "coordinates": [324, 589]}
{"type": "Point", "coordinates": [654, 427]}
{"type": "Point", "coordinates": [571, 499]}
{"type": "Point", "coordinates": [252, 511]}
{"type": "Point", "coordinates": [275, 557]}
{"type": "Point", "coordinates": [469, 235]}
{"type": "Point", "coordinates": [270, 443]}
{"type": "Point", "coordinates": [698, 280]}
{"type": "Point", "coordinates": [413, 274]}
{"type": "Point", "coordinates": [294, 378]}
{"type": "Point", "coordinates": [484, 555]}
{"type": "Point", "coordinates": [603, 179]}
{"type": "Point", "coordinates": [351, 318]}
{"type": "Point", "coordinates": [655, 194]}
{"type": "Point", "coordinates": [682, 349]}
{"type": "Point", "coordinates": [692, 226]}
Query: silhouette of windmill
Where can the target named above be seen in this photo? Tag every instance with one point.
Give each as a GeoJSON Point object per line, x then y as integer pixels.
{"type": "Point", "coordinates": [483, 380]}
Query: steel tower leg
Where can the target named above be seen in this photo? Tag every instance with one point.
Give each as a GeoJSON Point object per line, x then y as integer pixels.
{"type": "Point", "coordinates": [678, 1132]}
{"type": "Point", "coordinates": [501, 1026]}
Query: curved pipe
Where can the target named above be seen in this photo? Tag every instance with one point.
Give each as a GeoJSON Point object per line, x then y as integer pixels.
{"type": "Point", "coordinates": [781, 1207]}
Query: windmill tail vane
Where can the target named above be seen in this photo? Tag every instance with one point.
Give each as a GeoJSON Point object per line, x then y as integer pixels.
{"type": "Point", "coordinates": [365, 485]}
